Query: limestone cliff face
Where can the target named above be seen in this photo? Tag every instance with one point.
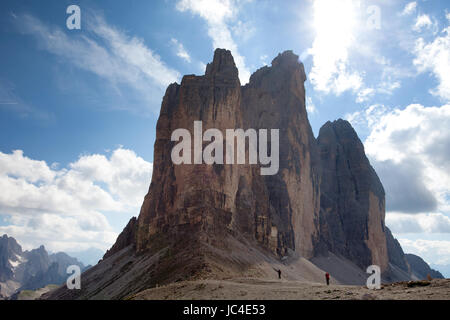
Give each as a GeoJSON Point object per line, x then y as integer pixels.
{"type": "Point", "coordinates": [325, 197]}
{"type": "Point", "coordinates": [204, 201]}
{"type": "Point", "coordinates": [275, 98]}
{"type": "Point", "coordinates": [352, 199]}
{"type": "Point", "coordinates": [193, 199]}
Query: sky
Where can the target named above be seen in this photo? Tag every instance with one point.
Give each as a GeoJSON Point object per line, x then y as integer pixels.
{"type": "Point", "coordinates": [78, 108]}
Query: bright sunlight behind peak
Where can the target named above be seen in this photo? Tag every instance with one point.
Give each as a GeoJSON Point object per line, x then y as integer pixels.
{"type": "Point", "coordinates": [335, 24]}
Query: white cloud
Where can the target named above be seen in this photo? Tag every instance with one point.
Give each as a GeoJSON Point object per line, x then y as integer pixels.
{"type": "Point", "coordinates": [435, 57]}
{"type": "Point", "coordinates": [217, 14]}
{"type": "Point", "coordinates": [416, 127]}
{"type": "Point", "coordinates": [346, 81]}
{"type": "Point", "coordinates": [108, 53]}
{"type": "Point", "coordinates": [243, 30]}
{"type": "Point", "coordinates": [422, 21]}
{"type": "Point", "coordinates": [414, 138]}
{"type": "Point", "coordinates": [365, 94]}
{"type": "Point", "coordinates": [400, 223]}
{"type": "Point", "coordinates": [432, 251]}
{"type": "Point", "coordinates": [131, 52]}
{"type": "Point", "coordinates": [213, 11]}
{"type": "Point", "coordinates": [127, 176]}
{"type": "Point", "coordinates": [347, 53]}
{"type": "Point", "coordinates": [65, 209]}
{"type": "Point", "coordinates": [59, 233]}
{"type": "Point", "coordinates": [335, 23]}
{"type": "Point", "coordinates": [388, 86]}
{"type": "Point", "coordinates": [180, 50]}
{"type": "Point", "coordinates": [409, 8]}
{"type": "Point", "coordinates": [310, 107]}
{"type": "Point", "coordinates": [16, 164]}
{"type": "Point", "coordinates": [202, 67]}
{"type": "Point", "coordinates": [263, 59]}
{"type": "Point", "coordinates": [367, 117]}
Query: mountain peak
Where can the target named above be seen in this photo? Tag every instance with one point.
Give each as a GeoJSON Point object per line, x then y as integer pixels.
{"type": "Point", "coordinates": [340, 125]}
{"type": "Point", "coordinates": [285, 58]}
{"type": "Point", "coordinates": [324, 194]}
{"type": "Point", "coordinates": [222, 66]}
{"type": "Point", "coordinates": [20, 270]}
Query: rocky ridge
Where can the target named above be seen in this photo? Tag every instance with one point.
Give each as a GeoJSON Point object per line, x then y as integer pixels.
{"type": "Point", "coordinates": [326, 198]}
{"type": "Point", "coordinates": [30, 270]}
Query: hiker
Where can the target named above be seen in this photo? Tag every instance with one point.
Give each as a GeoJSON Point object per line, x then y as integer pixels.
{"type": "Point", "coordinates": [278, 271]}
{"type": "Point", "coordinates": [327, 277]}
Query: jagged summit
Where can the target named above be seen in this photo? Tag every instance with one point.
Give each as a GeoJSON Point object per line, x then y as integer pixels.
{"type": "Point", "coordinates": [352, 198]}
{"type": "Point", "coordinates": [341, 123]}
{"type": "Point", "coordinates": [30, 270]}
{"type": "Point", "coordinates": [340, 129]}
{"type": "Point", "coordinates": [222, 66]}
{"type": "Point", "coordinates": [286, 59]}
{"type": "Point", "coordinates": [286, 69]}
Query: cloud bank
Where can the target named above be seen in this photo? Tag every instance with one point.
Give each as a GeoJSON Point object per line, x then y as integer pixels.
{"type": "Point", "coordinates": [66, 209]}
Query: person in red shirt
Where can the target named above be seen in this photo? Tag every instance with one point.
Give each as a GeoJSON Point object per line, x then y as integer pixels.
{"type": "Point", "coordinates": [327, 277]}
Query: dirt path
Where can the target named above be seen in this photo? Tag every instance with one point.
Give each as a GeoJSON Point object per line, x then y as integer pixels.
{"type": "Point", "coordinates": [256, 289]}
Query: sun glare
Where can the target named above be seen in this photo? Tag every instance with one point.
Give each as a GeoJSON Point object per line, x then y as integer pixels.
{"type": "Point", "coordinates": [335, 21]}
{"type": "Point", "coordinates": [335, 24]}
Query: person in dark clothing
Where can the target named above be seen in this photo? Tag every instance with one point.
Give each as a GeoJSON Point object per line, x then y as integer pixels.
{"type": "Point", "coordinates": [327, 277]}
{"type": "Point", "coordinates": [278, 271]}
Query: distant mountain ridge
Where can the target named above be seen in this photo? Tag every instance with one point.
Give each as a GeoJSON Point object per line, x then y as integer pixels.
{"type": "Point", "coordinates": [444, 269]}
{"type": "Point", "coordinates": [31, 270]}
{"type": "Point", "coordinates": [420, 269]}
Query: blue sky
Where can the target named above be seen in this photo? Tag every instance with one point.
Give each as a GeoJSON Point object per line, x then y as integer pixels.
{"type": "Point", "coordinates": [77, 106]}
